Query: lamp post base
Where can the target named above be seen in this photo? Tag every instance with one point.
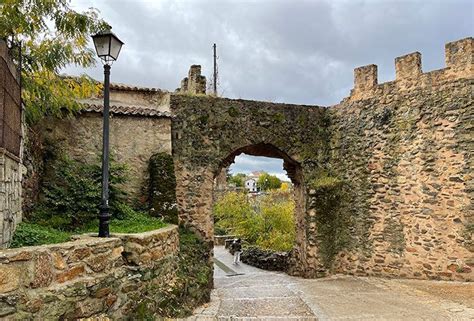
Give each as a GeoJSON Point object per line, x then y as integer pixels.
{"type": "Point", "coordinates": [104, 218]}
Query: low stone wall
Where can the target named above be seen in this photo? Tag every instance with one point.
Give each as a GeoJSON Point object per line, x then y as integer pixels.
{"type": "Point", "coordinates": [264, 259]}
{"type": "Point", "coordinates": [87, 277]}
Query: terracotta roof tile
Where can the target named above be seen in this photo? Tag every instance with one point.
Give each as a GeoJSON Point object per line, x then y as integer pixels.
{"type": "Point", "coordinates": [118, 86]}
{"type": "Point", "coordinates": [126, 110]}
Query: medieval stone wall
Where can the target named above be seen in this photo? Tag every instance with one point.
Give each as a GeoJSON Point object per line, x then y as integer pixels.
{"type": "Point", "coordinates": [88, 277]}
{"type": "Point", "coordinates": [405, 150]}
{"type": "Point", "coordinates": [133, 140]}
{"type": "Point", "coordinates": [383, 179]}
{"type": "Point", "coordinates": [209, 132]}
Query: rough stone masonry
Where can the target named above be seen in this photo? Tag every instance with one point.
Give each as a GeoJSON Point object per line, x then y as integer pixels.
{"type": "Point", "coordinates": [383, 180]}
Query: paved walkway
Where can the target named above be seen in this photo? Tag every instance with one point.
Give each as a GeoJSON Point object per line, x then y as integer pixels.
{"type": "Point", "coordinates": [246, 293]}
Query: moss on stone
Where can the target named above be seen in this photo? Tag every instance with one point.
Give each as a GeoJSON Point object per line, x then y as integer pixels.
{"type": "Point", "coordinates": [162, 187]}
{"type": "Point", "coordinates": [328, 197]}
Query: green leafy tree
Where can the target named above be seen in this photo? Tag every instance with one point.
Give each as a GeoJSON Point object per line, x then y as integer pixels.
{"type": "Point", "coordinates": [52, 36]}
{"type": "Point", "coordinates": [267, 222]}
{"type": "Point", "coordinates": [238, 179]}
{"type": "Point", "coordinates": [268, 182]}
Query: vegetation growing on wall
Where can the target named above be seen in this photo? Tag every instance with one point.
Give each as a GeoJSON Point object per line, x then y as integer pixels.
{"type": "Point", "coordinates": [332, 222]}
{"type": "Point", "coordinates": [162, 188]}
{"type": "Point", "coordinates": [71, 192]}
{"type": "Point", "coordinates": [190, 289]}
{"type": "Point", "coordinates": [69, 196]}
{"type": "Point", "coordinates": [267, 222]}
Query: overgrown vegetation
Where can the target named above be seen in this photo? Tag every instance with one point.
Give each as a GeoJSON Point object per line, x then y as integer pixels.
{"type": "Point", "coordinates": [162, 188]}
{"type": "Point", "coordinates": [266, 221]}
{"type": "Point", "coordinates": [71, 192]}
{"type": "Point", "coordinates": [52, 36]}
{"type": "Point", "coordinates": [332, 221]}
{"type": "Point", "coordinates": [29, 234]}
{"type": "Point", "coordinates": [190, 289]}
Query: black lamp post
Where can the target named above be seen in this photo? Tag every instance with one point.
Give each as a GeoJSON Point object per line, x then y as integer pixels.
{"type": "Point", "coordinates": [108, 48]}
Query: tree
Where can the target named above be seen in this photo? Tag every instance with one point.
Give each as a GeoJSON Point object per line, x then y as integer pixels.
{"type": "Point", "coordinates": [238, 179]}
{"type": "Point", "coordinates": [268, 182]}
{"type": "Point", "coordinates": [270, 225]}
{"type": "Point", "coordinates": [52, 36]}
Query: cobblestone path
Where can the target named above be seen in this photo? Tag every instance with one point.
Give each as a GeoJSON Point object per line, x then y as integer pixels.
{"type": "Point", "coordinates": [246, 293]}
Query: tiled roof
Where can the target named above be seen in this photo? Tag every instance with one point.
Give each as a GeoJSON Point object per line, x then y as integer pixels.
{"type": "Point", "coordinates": [118, 86]}
{"type": "Point", "coordinates": [125, 110]}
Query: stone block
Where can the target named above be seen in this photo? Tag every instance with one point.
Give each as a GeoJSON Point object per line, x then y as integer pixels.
{"type": "Point", "coordinates": [365, 78]}
{"type": "Point", "coordinates": [42, 272]}
{"type": "Point", "coordinates": [408, 66]}
{"type": "Point", "coordinates": [459, 54]}
{"type": "Point", "coordinates": [10, 276]}
{"type": "Point", "coordinates": [70, 274]}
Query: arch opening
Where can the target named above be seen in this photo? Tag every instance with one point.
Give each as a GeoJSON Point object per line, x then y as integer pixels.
{"type": "Point", "coordinates": [296, 192]}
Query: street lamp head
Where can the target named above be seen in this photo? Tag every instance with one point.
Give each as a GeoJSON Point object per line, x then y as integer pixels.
{"type": "Point", "coordinates": [107, 46]}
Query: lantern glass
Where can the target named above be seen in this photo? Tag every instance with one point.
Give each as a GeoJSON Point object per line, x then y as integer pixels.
{"type": "Point", "coordinates": [115, 46]}
{"type": "Point", "coordinates": [107, 46]}
{"type": "Point", "coordinates": [101, 43]}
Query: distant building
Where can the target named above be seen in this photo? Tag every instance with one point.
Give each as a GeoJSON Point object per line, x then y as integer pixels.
{"type": "Point", "coordinates": [251, 184]}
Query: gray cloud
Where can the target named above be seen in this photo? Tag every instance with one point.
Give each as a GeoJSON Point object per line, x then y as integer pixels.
{"type": "Point", "coordinates": [285, 51]}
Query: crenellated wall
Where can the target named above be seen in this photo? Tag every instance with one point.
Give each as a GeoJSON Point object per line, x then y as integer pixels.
{"type": "Point", "coordinates": [405, 149]}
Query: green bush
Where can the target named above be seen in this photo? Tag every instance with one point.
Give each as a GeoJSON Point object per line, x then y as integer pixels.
{"type": "Point", "coordinates": [162, 188]}
{"type": "Point", "coordinates": [267, 222]}
{"type": "Point", "coordinates": [71, 193]}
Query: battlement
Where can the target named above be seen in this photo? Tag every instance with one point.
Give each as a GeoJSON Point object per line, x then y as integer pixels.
{"type": "Point", "coordinates": [459, 57]}
{"type": "Point", "coordinates": [195, 83]}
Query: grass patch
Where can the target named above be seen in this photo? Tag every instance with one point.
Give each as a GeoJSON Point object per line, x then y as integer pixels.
{"type": "Point", "coordinates": [31, 234]}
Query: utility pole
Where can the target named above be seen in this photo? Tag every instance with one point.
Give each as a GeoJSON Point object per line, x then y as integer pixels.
{"type": "Point", "coordinates": [214, 83]}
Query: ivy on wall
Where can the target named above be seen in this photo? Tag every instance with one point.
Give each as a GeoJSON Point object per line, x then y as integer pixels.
{"type": "Point", "coordinates": [328, 197]}
{"type": "Point", "coordinates": [70, 191]}
{"type": "Point", "coordinates": [162, 188]}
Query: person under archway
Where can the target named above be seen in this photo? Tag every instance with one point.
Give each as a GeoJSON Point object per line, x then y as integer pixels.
{"type": "Point", "coordinates": [237, 248]}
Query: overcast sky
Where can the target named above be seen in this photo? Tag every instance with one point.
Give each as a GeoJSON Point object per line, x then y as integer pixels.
{"type": "Point", "coordinates": [282, 51]}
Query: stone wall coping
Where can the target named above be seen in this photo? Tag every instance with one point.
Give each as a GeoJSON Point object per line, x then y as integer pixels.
{"type": "Point", "coordinates": [409, 73]}
{"type": "Point", "coordinates": [87, 239]}
{"type": "Point", "coordinates": [148, 234]}
{"type": "Point", "coordinates": [82, 240]}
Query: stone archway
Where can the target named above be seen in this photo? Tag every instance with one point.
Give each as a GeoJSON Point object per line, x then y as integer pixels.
{"type": "Point", "coordinates": [295, 173]}
{"type": "Point", "coordinates": [208, 132]}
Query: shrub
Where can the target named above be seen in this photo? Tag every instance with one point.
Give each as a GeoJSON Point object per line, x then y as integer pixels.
{"type": "Point", "coordinates": [267, 222]}
{"type": "Point", "coordinates": [71, 193]}
{"type": "Point", "coordinates": [162, 187]}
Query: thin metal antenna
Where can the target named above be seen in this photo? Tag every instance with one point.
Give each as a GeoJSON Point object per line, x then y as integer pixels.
{"type": "Point", "coordinates": [214, 83]}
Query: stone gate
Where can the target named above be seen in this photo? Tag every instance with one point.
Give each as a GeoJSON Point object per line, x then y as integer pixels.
{"type": "Point", "coordinates": [384, 180]}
